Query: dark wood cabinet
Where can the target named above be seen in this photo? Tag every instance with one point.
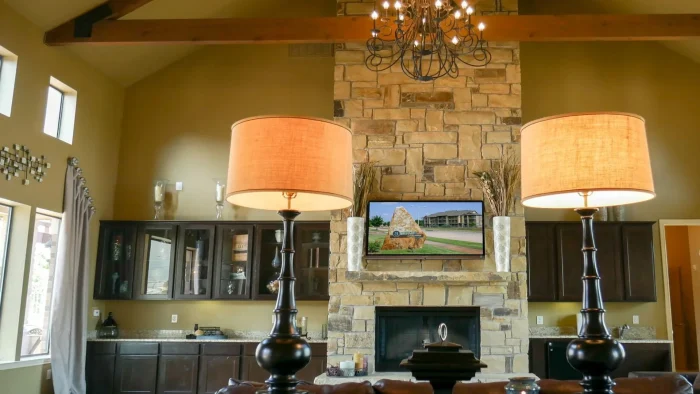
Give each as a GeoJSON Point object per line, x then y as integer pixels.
{"type": "Point", "coordinates": [115, 266]}
{"type": "Point", "coordinates": [135, 374]}
{"type": "Point", "coordinates": [193, 261]}
{"type": "Point", "coordinates": [541, 268]}
{"type": "Point", "coordinates": [625, 261]}
{"type": "Point", "coordinates": [155, 260]}
{"type": "Point", "coordinates": [215, 371]}
{"type": "Point", "coordinates": [177, 374]}
{"type": "Point", "coordinates": [233, 261]}
{"type": "Point", "coordinates": [548, 359]}
{"type": "Point", "coordinates": [186, 367]}
{"type": "Point", "coordinates": [163, 260]}
{"type": "Point", "coordinates": [99, 367]}
{"type": "Point", "coordinates": [638, 259]}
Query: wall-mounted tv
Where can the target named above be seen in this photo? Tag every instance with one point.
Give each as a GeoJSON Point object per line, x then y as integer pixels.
{"type": "Point", "coordinates": [425, 228]}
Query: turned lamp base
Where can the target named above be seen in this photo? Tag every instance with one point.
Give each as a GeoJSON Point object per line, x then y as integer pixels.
{"type": "Point", "coordinates": [595, 354]}
{"type": "Point", "coordinates": [285, 352]}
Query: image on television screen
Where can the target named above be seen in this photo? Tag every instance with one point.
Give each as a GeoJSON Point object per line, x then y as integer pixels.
{"type": "Point", "coordinates": [425, 228]}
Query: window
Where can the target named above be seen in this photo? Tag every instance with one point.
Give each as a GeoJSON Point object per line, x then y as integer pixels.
{"type": "Point", "coordinates": [37, 314]}
{"type": "Point", "coordinates": [5, 217]}
{"type": "Point", "coordinates": [60, 111]}
{"type": "Point", "coordinates": [8, 70]}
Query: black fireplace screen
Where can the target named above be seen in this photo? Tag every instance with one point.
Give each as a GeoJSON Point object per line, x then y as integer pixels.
{"type": "Point", "coordinates": [400, 330]}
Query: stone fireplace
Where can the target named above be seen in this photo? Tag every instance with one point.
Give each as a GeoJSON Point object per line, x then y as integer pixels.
{"type": "Point", "coordinates": [400, 330]}
{"type": "Point", "coordinates": [427, 139]}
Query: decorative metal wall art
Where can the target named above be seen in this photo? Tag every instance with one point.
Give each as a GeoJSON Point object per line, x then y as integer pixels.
{"type": "Point", "coordinates": [18, 162]}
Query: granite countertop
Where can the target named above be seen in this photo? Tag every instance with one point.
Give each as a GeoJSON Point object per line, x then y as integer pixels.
{"type": "Point", "coordinates": [620, 340]}
{"type": "Point", "coordinates": [234, 336]}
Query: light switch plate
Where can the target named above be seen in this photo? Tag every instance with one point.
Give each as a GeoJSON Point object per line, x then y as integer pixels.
{"type": "Point", "coordinates": [95, 312]}
{"type": "Point", "coordinates": [178, 186]}
{"type": "Point", "coordinates": [540, 320]}
{"type": "Point", "coordinates": [173, 319]}
{"type": "Point", "coordinates": [635, 319]}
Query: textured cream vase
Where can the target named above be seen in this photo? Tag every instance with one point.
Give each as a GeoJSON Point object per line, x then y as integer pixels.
{"type": "Point", "coordinates": [501, 243]}
{"type": "Point", "coordinates": [356, 238]}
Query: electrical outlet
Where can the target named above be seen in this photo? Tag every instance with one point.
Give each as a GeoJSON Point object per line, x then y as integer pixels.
{"type": "Point", "coordinates": [178, 186]}
{"type": "Point", "coordinates": [95, 312]}
{"type": "Point", "coordinates": [48, 374]}
{"type": "Point", "coordinates": [540, 320]}
{"type": "Point", "coordinates": [635, 319]}
{"type": "Point", "coordinates": [173, 319]}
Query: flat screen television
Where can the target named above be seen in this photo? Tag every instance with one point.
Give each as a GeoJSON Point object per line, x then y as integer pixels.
{"type": "Point", "coordinates": [425, 228]}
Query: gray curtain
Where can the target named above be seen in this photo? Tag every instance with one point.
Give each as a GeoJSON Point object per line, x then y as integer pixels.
{"type": "Point", "coordinates": [70, 290]}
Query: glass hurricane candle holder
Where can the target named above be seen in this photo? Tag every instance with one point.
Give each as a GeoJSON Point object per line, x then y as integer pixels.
{"type": "Point", "coordinates": [219, 197]}
{"type": "Point", "coordinates": [159, 197]}
{"type": "Point", "coordinates": [522, 385]}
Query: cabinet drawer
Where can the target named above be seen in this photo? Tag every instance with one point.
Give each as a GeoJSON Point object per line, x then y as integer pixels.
{"type": "Point", "coordinates": [102, 347]}
{"type": "Point", "coordinates": [141, 348]}
{"type": "Point", "coordinates": [179, 348]}
{"type": "Point", "coordinates": [221, 349]}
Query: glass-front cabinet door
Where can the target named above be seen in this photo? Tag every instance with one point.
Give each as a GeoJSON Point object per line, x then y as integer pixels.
{"type": "Point", "coordinates": [268, 260]}
{"type": "Point", "coordinates": [155, 260]}
{"type": "Point", "coordinates": [232, 264]}
{"type": "Point", "coordinates": [115, 261]}
{"type": "Point", "coordinates": [195, 254]}
{"type": "Point", "coordinates": [312, 259]}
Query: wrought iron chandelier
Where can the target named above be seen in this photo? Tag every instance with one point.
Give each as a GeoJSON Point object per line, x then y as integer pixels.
{"type": "Point", "coordinates": [426, 38]}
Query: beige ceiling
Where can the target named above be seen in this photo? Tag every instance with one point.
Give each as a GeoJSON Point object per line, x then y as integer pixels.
{"type": "Point", "coordinates": [128, 64]}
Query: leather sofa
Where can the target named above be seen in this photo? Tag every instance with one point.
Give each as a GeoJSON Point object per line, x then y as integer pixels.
{"type": "Point", "coordinates": [667, 384]}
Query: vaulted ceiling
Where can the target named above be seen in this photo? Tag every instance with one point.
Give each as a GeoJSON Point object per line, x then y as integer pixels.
{"type": "Point", "coordinates": [128, 64]}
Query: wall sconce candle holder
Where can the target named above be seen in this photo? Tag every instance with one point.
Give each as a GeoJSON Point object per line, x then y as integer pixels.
{"type": "Point", "coordinates": [18, 162]}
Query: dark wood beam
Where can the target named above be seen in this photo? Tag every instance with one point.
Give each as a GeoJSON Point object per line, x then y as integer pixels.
{"type": "Point", "coordinates": [81, 26]}
{"type": "Point", "coordinates": [356, 29]}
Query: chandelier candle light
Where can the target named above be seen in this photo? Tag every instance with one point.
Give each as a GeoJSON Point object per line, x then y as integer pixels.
{"type": "Point", "coordinates": [427, 38]}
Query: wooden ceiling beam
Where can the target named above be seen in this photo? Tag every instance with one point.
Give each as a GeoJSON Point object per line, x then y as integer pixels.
{"type": "Point", "coordinates": [356, 29]}
{"type": "Point", "coordinates": [81, 26]}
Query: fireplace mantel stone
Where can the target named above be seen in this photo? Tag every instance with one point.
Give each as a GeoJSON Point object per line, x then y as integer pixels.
{"type": "Point", "coordinates": [427, 277]}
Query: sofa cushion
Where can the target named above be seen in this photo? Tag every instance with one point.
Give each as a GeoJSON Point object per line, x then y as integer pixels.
{"type": "Point", "coordinates": [388, 386]}
{"type": "Point", "coordinates": [343, 388]}
{"type": "Point", "coordinates": [668, 384]}
{"type": "Point", "coordinates": [480, 388]}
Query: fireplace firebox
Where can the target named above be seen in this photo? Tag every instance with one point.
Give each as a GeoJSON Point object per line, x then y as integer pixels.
{"type": "Point", "coordinates": [400, 330]}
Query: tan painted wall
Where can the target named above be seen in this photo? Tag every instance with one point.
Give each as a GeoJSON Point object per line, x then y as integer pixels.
{"type": "Point", "coordinates": [96, 142]}
{"type": "Point", "coordinates": [643, 78]}
{"type": "Point", "coordinates": [177, 126]}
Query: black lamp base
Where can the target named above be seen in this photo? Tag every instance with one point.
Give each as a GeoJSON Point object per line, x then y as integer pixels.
{"type": "Point", "coordinates": [285, 352]}
{"type": "Point", "coordinates": [595, 354]}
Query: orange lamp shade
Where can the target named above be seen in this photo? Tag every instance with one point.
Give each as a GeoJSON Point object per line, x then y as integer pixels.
{"type": "Point", "coordinates": [270, 156]}
{"type": "Point", "coordinates": [585, 160]}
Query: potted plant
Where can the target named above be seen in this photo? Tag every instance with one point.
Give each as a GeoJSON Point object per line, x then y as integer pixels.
{"type": "Point", "coordinates": [363, 181]}
{"type": "Point", "coordinates": [499, 185]}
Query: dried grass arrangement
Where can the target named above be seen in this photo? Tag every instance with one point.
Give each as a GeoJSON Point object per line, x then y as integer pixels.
{"type": "Point", "coordinates": [500, 184]}
{"type": "Point", "coordinates": [364, 177]}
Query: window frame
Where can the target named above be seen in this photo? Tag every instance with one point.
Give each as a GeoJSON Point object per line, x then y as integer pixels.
{"type": "Point", "coordinates": [59, 217]}
{"type": "Point", "coordinates": [60, 111]}
{"type": "Point", "coordinates": [67, 108]}
{"type": "Point", "coordinates": [3, 256]}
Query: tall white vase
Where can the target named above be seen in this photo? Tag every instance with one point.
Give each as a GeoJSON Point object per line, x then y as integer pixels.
{"type": "Point", "coordinates": [501, 243]}
{"type": "Point", "coordinates": [356, 238]}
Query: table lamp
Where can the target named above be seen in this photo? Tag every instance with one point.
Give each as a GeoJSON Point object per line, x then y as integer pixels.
{"type": "Point", "coordinates": [288, 164]}
{"type": "Point", "coordinates": [586, 161]}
